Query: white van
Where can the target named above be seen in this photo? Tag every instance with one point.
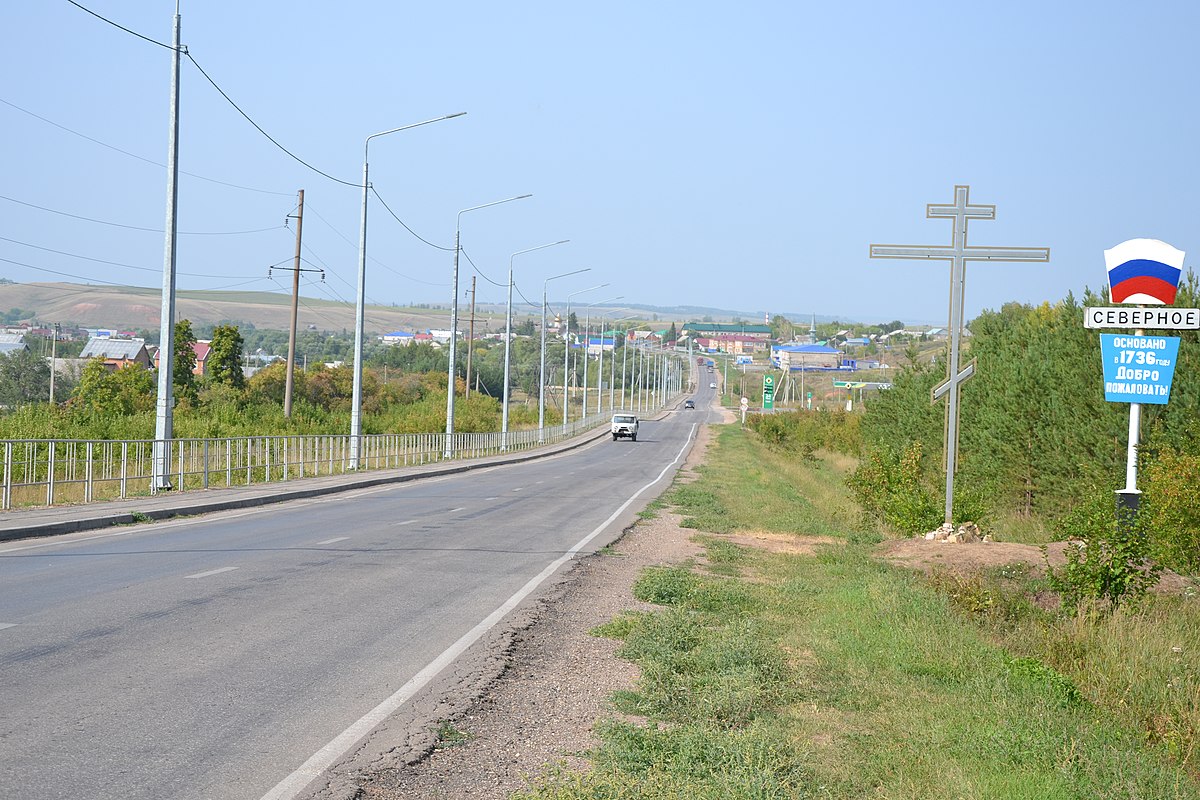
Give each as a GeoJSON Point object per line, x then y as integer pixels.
{"type": "Point", "coordinates": [624, 425]}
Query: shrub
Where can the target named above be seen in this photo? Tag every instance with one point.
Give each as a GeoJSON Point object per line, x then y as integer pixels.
{"type": "Point", "coordinates": [1108, 556]}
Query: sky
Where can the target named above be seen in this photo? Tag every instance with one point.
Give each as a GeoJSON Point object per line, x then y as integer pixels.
{"type": "Point", "coordinates": [738, 156]}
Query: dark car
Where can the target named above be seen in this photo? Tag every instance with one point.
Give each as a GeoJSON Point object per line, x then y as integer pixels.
{"type": "Point", "coordinates": [689, 404]}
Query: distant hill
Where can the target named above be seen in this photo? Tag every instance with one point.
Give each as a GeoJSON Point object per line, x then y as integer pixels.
{"type": "Point", "coordinates": [134, 307]}
{"type": "Point", "coordinates": [131, 307]}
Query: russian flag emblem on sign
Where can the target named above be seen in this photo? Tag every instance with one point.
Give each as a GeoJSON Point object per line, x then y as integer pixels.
{"type": "Point", "coordinates": [1143, 271]}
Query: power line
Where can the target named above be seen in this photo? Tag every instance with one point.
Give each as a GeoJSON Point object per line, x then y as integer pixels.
{"type": "Point", "coordinates": [373, 259]}
{"type": "Point", "coordinates": [122, 27]}
{"type": "Point", "coordinates": [116, 263]}
{"type": "Point", "coordinates": [65, 274]}
{"type": "Point", "coordinates": [134, 227]}
{"type": "Point", "coordinates": [136, 156]}
{"type": "Point", "coordinates": [479, 272]}
{"type": "Point", "coordinates": [405, 224]}
{"type": "Point", "coordinates": [220, 91]}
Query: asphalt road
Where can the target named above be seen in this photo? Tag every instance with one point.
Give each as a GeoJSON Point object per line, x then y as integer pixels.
{"type": "Point", "coordinates": [212, 657]}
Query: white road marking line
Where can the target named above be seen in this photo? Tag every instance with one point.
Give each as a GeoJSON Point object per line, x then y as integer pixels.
{"type": "Point", "coordinates": [491, 498]}
{"type": "Point", "coordinates": [454, 510]}
{"type": "Point", "coordinates": [292, 785]}
{"type": "Point", "coordinates": [334, 539]}
{"type": "Point", "coordinates": [4, 625]}
{"type": "Point", "coordinates": [212, 572]}
{"type": "Point", "coordinates": [539, 481]}
{"type": "Point", "coordinates": [406, 522]}
{"type": "Point", "coordinates": [519, 488]}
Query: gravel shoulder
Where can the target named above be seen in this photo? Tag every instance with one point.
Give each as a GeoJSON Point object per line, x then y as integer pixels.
{"type": "Point", "coordinates": [529, 699]}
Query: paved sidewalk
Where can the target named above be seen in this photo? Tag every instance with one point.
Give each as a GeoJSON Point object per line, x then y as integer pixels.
{"type": "Point", "coordinates": [29, 523]}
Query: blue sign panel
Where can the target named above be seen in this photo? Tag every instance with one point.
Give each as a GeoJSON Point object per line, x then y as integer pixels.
{"type": "Point", "coordinates": [1138, 369]}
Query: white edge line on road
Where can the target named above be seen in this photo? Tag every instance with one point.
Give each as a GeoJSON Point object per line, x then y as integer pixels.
{"type": "Point", "coordinates": [293, 784]}
{"type": "Point", "coordinates": [455, 510]}
{"type": "Point", "coordinates": [334, 539]}
{"type": "Point", "coordinates": [211, 572]}
{"type": "Point", "coordinates": [4, 625]}
{"type": "Point", "coordinates": [406, 522]}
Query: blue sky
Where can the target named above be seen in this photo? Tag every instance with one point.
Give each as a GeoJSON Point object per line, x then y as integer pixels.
{"type": "Point", "coordinates": [739, 156]}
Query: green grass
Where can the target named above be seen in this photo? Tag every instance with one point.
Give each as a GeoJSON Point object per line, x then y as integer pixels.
{"type": "Point", "coordinates": [837, 676]}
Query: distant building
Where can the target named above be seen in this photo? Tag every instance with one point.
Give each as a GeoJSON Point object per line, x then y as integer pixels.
{"type": "Point", "coordinates": [693, 330]}
{"type": "Point", "coordinates": [805, 356]}
{"type": "Point", "coordinates": [596, 345]}
{"type": "Point", "coordinates": [201, 349]}
{"type": "Point", "coordinates": [398, 337]}
{"type": "Point", "coordinates": [117, 353]}
{"type": "Point", "coordinates": [733, 343]}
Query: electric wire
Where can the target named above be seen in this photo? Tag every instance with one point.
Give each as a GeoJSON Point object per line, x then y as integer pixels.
{"type": "Point", "coordinates": [135, 227]}
{"type": "Point", "coordinates": [259, 128]}
{"type": "Point", "coordinates": [122, 27]}
{"type": "Point", "coordinates": [405, 224]}
{"type": "Point", "coordinates": [373, 259]}
{"type": "Point", "coordinates": [136, 156]}
{"type": "Point", "coordinates": [65, 274]}
{"type": "Point", "coordinates": [113, 263]}
{"type": "Point", "coordinates": [480, 272]}
{"type": "Point", "coordinates": [196, 64]}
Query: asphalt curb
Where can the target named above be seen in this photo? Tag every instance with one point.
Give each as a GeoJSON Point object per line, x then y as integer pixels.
{"type": "Point", "coordinates": [151, 508]}
{"type": "Point", "coordinates": [22, 524]}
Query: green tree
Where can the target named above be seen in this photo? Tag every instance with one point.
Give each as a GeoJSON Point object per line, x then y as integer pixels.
{"type": "Point", "coordinates": [183, 375]}
{"type": "Point", "coordinates": [119, 392]}
{"type": "Point", "coordinates": [225, 357]}
{"type": "Point", "coordinates": [782, 328]}
{"type": "Point", "coordinates": [24, 378]}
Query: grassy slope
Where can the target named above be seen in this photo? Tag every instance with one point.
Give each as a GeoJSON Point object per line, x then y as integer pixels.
{"type": "Point", "coordinates": [838, 676]}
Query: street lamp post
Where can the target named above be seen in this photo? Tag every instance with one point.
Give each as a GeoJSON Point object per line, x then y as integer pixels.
{"type": "Point", "coordinates": [356, 402]}
{"type": "Point", "coordinates": [587, 332]}
{"type": "Point", "coordinates": [449, 449]}
{"type": "Point", "coordinates": [612, 367]}
{"type": "Point", "coordinates": [542, 371]}
{"type": "Point", "coordinates": [508, 338]}
{"type": "Point", "coordinates": [567, 351]}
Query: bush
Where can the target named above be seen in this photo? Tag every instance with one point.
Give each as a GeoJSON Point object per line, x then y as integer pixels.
{"type": "Point", "coordinates": [892, 486]}
{"type": "Point", "coordinates": [1108, 556]}
{"type": "Point", "coordinates": [1172, 509]}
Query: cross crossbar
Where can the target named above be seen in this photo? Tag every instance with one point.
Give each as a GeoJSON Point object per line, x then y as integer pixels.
{"type": "Point", "coordinates": [958, 253]}
{"type": "Point", "coordinates": [1028, 254]}
{"type": "Point", "coordinates": [942, 388]}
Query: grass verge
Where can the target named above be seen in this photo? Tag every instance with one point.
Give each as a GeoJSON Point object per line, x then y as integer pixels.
{"type": "Point", "coordinates": [837, 676]}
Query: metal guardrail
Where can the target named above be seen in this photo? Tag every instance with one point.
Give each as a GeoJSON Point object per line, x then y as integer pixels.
{"type": "Point", "coordinates": [47, 472]}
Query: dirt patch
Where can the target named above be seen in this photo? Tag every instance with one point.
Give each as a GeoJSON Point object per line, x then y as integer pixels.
{"type": "Point", "coordinates": [780, 542]}
{"type": "Point", "coordinates": [927, 556]}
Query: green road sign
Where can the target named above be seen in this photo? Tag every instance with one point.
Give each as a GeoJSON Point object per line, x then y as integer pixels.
{"type": "Point", "coordinates": [768, 392]}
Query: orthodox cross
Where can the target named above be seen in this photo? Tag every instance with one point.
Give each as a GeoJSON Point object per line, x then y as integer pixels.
{"type": "Point", "coordinates": [958, 254]}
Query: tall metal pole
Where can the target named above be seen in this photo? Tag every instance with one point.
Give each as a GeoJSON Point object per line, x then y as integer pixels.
{"type": "Point", "coordinates": [450, 377]}
{"type": "Point", "coordinates": [164, 406]}
{"type": "Point", "coordinates": [470, 340]}
{"type": "Point", "coordinates": [359, 308]}
{"type": "Point", "coordinates": [508, 339]}
{"type": "Point", "coordinates": [542, 373]}
{"type": "Point", "coordinates": [291, 362]}
{"type": "Point", "coordinates": [587, 348]}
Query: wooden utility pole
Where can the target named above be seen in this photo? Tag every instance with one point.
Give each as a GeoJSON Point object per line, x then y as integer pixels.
{"type": "Point", "coordinates": [291, 359]}
{"type": "Point", "coordinates": [470, 341]}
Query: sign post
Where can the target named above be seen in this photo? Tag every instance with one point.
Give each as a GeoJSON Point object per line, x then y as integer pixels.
{"type": "Point", "coordinates": [768, 392]}
{"type": "Point", "coordinates": [958, 254]}
{"type": "Point", "coordinates": [1138, 369]}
